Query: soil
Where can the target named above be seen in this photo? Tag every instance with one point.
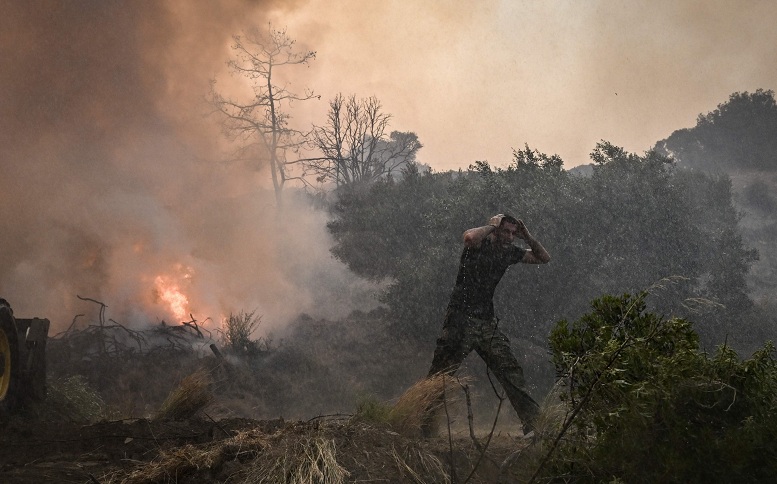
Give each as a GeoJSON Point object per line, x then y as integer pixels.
{"type": "Point", "coordinates": [240, 450]}
{"type": "Point", "coordinates": [100, 424]}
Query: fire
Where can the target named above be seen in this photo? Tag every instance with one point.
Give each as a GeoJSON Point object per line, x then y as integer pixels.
{"type": "Point", "coordinates": [169, 292]}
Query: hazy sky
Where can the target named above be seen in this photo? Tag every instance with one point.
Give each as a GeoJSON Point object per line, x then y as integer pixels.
{"type": "Point", "coordinates": [114, 185]}
{"type": "Point", "coordinates": [476, 79]}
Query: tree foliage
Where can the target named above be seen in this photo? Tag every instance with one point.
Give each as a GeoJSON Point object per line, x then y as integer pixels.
{"type": "Point", "coordinates": [649, 406]}
{"type": "Point", "coordinates": [740, 139]}
{"type": "Point", "coordinates": [262, 121]}
{"type": "Point", "coordinates": [355, 146]}
{"type": "Point", "coordinates": [636, 222]}
{"type": "Point", "coordinates": [741, 133]}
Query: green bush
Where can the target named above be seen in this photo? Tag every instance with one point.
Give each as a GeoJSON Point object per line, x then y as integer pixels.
{"type": "Point", "coordinates": [371, 410]}
{"type": "Point", "coordinates": [237, 331]}
{"type": "Point", "coordinates": [648, 406]}
{"type": "Point", "coordinates": [74, 399]}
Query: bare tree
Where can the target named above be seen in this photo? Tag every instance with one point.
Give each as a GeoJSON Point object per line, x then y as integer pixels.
{"type": "Point", "coordinates": [262, 121]}
{"type": "Point", "coordinates": [354, 146]}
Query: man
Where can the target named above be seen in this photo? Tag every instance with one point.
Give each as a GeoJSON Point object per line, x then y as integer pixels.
{"type": "Point", "coordinates": [470, 322]}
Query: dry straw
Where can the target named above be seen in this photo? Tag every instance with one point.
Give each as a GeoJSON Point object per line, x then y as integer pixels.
{"type": "Point", "coordinates": [189, 459]}
{"type": "Point", "coordinates": [421, 403]}
{"type": "Point", "coordinates": [418, 465]}
{"type": "Point", "coordinates": [307, 461]}
{"type": "Point", "coordinates": [192, 395]}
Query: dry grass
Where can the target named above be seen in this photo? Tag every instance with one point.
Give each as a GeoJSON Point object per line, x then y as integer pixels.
{"type": "Point", "coordinates": [189, 459]}
{"type": "Point", "coordinates": [192, 395]}
{"type": "Point", "coordinates": [305, 461]}
{"type": "Point", "coordinates": [420, 466]}
{"type": "Point", "coordinates": [553, 412]}
{"type": "Point", "coordinates": [419, 405]}
{"type": "Point", "coordinates": [309, 453]}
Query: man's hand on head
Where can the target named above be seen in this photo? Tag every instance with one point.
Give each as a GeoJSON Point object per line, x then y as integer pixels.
{"type": "Point", "coordinates": [496, 220]}
{"type": "Point", "coordinates": [522, 232]}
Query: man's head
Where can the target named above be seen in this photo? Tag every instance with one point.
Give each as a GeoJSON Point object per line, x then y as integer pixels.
{"type": "Point", "coordinates": [507, 230]}
{"type": "Point", "coordinates": [509, 219]}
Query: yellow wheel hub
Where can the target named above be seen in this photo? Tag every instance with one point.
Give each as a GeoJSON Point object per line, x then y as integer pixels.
{"type": "Point", "coordinates": [5, 365]}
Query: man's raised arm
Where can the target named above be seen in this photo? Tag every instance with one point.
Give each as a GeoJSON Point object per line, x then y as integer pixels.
{"type": "Point", "coordinates": [475, 236]}
{"type": "Point", "coordinates": [537, 253]}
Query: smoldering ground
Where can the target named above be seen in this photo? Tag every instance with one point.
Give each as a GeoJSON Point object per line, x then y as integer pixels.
{"type": "Point", "coordinates": [113, 180]}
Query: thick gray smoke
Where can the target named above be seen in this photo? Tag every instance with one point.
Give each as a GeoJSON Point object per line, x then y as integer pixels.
{"type": "Point", "coordinates": [112, 184]}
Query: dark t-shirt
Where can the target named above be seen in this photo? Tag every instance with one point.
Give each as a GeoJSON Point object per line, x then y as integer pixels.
{"type": "Point", "coordinates": [480, 270]}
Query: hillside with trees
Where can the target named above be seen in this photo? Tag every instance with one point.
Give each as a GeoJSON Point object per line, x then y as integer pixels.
{"type": "Point", "coordinates": [739, 140]}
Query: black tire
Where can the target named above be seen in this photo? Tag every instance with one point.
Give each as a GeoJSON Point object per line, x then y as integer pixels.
{"type": "Point", "coordinates": [36, 357]}
{"type": "Point", "coordinates": [10, 370]}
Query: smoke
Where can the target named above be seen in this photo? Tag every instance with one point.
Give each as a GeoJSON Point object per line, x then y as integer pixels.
{"type": "Point", "coordinates": [474, 82]}
{"type": "Point", "coordinates": [112, 185]}
{"type": "Point", "coordinates": [111, 173]}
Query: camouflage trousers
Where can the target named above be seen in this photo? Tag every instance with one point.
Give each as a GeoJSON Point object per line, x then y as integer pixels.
{"type": "Point", "coordinates": [460, 335]}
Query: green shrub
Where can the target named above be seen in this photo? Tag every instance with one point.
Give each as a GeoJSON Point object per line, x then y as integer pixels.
{"type": "Point", "coordinates": [371, 410]}
{"type": "Point", "coordinates": [74, 399]}
{"type": "Point", "coordinates": [238, 329]}
{"type": "Point", "coordinates": [648, 406]}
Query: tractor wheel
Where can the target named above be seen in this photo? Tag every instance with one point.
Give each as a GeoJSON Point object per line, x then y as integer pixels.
{"type": "Point", "coordinates": [9, 361]}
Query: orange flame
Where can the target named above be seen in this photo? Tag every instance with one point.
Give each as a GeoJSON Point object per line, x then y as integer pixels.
{"type": "Point", "coordinates": [170, 292]}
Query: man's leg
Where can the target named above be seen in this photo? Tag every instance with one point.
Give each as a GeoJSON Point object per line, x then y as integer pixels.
{"type": "Point", "coordinates": [453, 346]}
{"type": "Point", "coordinates": [494, 348]}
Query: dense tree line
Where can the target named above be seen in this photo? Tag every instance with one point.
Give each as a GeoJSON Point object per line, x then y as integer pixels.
{"type": "Point", "coordinates": [740, 133]}
{"type": "Point", "coordinates": [636, 223]}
